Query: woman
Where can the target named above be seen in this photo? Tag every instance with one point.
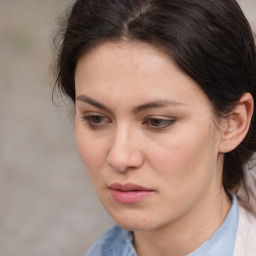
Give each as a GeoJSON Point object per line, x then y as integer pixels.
{"type": "Point", "coordinates": [164, 93]}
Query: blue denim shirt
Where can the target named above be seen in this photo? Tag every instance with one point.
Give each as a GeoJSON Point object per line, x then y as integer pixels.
{"type": "Point", "coordinates": [119, 242]}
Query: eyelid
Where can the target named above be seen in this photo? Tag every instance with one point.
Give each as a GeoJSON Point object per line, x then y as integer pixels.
{"type": "Point", "coordinates": [97, 120]}
{"type": "Point", "coordinates": [166, 120]}
{"type": "Point", "coordinates": [88, 118]}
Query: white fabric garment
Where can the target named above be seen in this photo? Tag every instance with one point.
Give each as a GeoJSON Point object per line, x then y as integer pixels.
{"type": "Point", "coordinates": [245, 244]}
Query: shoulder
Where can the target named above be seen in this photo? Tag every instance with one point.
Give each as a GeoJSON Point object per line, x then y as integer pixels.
{"type": "Point", "coordinates": [246, 234]}
{"type": "Point", "coordinates": [116, 241]}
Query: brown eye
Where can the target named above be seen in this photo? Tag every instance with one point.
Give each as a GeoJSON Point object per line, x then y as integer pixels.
{"type": "Point", "coordinates": [96, 121]}
{"type": "Point", "coordinates": [159, 123]}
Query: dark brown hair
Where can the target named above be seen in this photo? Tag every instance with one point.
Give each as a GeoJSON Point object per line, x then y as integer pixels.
{"type": "Point", "coordinates": [209, 40]}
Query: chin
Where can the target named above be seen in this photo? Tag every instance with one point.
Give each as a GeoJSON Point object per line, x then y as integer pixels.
{"type": "Point", "coordinates": [132, 226]}
{"type": "Point", "coordinates": [131, 217]}
{"type": "Point", "coordinates": [133, 222]}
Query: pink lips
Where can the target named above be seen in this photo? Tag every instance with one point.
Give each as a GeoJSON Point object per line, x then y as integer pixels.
{"type": "Point", "coordinates": [128, 193]}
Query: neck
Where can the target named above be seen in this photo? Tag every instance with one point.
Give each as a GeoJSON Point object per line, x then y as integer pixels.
{"type": "Point", "coordinates": [188, 232]}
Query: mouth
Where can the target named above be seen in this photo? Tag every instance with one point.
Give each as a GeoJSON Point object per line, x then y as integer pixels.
{"type": "Point", "coordinates": [129, 193]}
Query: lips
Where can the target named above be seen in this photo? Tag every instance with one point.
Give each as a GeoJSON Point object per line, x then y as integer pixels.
{"type": "Point", "coordinates": [129, 193]}
{"type": "Point", "coordinates": [127, 187]}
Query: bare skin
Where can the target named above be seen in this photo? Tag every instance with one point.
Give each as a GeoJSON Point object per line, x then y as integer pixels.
{"type": "Point", "coordinates": [141, 120]}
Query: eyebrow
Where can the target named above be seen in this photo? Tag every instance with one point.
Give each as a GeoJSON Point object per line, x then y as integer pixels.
{"type": "Point", "coordinates": [92, 102]}
{"type": "Point", "coordinates": [136, 109]}
{"type": "Point", "coordinates": [157, 104]}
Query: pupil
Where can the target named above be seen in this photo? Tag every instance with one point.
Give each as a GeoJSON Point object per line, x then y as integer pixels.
{"type": "Point", "coordinates": [156, 122]}
{"type": "Point", "coordinates": [97, 119]}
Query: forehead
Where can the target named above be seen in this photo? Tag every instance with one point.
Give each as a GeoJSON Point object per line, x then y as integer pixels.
{"type": "Point", "coordinates": [131, 57]}
{"type": "Point", "coordinates": [134, 71]}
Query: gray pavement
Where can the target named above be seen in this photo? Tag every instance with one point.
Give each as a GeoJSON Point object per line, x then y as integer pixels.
{"type": "Point", "coordinates": [48, 206]}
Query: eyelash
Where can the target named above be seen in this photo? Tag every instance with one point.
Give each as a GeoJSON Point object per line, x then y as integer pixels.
{"type": "Point", "coordinates": [159, 123]}
{"type": "Point", "coordinates": [96, 122]}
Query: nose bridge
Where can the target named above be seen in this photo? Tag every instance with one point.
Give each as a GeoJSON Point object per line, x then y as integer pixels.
{"type": "Point", "coordinates": [122, 135]}
{"type": "Point", "coordinates": [124, 151]}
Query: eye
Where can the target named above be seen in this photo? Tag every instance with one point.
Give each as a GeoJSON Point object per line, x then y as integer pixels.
{"type": "Point", "coordinates": [96, 121]}
{"type": "Point", "coordinates": [158, 123]}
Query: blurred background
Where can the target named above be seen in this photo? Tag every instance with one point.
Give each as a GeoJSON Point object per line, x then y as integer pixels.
{"type": "Point", "coordinates": [47, 204]}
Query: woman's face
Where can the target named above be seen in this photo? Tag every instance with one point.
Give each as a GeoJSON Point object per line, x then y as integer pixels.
{"type": "Point", "coordinates": [146, 134]}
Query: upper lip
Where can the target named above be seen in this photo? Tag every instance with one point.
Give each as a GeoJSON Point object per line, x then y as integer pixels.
{"type": "Point", "coordinates": [128, 187]}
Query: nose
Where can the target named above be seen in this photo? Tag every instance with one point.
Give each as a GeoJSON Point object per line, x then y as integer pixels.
{"type": "Point", "coordinates": [125, 153]}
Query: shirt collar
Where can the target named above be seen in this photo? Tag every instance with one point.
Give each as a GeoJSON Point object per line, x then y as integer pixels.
{"type": "Point", "coordinates": [222, 242]}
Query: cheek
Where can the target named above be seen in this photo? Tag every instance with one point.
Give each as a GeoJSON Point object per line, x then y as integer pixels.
{"type": "Point", "coordinates": [186, 156]}
{"type": "Point", "coordinates": [91, 151]}
{"type": "Point", "coordinates": [184, 167]}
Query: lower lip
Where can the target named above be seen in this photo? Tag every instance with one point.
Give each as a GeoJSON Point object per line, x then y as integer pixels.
{"type": "Point", "coordinates": [129, 197]}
